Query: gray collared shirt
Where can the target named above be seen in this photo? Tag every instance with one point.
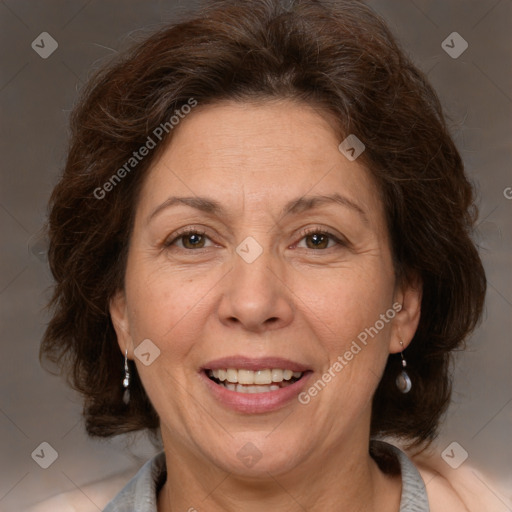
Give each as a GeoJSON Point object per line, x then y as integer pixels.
{"type": "Point", "coordinates": [141, 492]}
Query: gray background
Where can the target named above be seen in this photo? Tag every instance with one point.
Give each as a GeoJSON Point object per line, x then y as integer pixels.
{"type": "Point", "coordinates": [36, 96]}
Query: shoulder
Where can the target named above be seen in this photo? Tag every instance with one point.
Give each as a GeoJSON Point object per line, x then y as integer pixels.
{"type": "Point", "coordinates": [457, 490]}
{"type": "Point", "coordinates": [88, 498]}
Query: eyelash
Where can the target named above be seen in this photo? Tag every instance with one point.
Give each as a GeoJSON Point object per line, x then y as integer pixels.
{"type": "Point", "coordinates": [319, 231]}
{"type": "Point", "coordinates": [310, 231]}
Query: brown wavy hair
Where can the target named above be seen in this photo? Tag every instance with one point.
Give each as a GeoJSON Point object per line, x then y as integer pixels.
{"type": "Point", "coordinates": [338, 56]}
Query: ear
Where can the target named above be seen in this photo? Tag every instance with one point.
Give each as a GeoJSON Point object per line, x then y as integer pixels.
{"type": "Point", "coordinates": [406, 321]}
{"type": "Point", "coordinates": [119, 316]}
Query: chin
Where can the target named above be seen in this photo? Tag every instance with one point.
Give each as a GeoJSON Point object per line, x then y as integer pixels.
{"type": "Point", "coordinates": [258, 458]}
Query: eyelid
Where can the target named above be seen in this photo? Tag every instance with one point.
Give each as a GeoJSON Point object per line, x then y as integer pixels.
{"type": "Point", "coordinates": [337, 239]}
{"type": "Point", "coordinates": [173, 237]}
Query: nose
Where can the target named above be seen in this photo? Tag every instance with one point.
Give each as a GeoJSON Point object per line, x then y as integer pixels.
{"type": "Point", "coordinates": [255, 295]}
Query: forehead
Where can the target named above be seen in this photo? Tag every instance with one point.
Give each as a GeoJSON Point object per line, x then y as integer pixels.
{"type": "Point", "coordinates": [259, 155]}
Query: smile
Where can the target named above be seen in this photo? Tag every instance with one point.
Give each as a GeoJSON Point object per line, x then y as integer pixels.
{"type": "Point", "coordinates": [254, 385]}
{"type": "Point", "coordinates": [248, 381]}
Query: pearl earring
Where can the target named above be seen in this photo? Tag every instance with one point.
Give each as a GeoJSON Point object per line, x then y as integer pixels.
{"type": "Point", "coordinates": [126, 380]}
{"type": "Point", "coordinates": [403, 381]}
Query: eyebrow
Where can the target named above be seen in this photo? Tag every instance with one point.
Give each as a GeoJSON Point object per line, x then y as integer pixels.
{"type": "Point", "coordinates": [294, 206]}
{"type": "Point", "coordinates": [305, 203]}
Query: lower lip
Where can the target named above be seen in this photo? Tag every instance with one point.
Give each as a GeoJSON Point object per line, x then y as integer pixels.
{"type": "Point", "coordinates": [252, 403]}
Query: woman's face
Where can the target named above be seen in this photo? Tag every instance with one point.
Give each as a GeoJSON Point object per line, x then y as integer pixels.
{"type": "Point", "coordinates": [286, 268]}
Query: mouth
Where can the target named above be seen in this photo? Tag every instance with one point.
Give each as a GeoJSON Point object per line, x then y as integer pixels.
{"type": "Point", "coordinates": [249, 381]}
{"type": "Point", "coordinates": [252, 386]}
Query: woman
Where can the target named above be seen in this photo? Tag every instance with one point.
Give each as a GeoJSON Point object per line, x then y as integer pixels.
{"type": "Point", "coordinates": [262, 254]}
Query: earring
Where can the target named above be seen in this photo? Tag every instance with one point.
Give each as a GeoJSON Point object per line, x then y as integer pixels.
{"type": "Point", "coordinates": [126, 380]}
{"type": "Point", "coordinates": [403, 381]}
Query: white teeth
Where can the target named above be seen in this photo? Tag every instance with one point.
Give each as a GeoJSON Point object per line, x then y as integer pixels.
{"type": "Point", "coordinates": [262, 377]}
{"type": "Point", "coordinates": [248, 377]}
{"type": "Point", "coordinates": [232, 375]}
{"type": "Point", "coordinates": [277, 375]}
{"type": "Point", "coordinates": [241, 388]}
{"type": "Point", "coordinates": [255, 379]}
{"type": "Point", "coordinates": [245, 377]}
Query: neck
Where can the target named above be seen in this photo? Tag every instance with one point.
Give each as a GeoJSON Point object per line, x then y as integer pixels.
{"type": "Point", "coordinates": [350, 480]}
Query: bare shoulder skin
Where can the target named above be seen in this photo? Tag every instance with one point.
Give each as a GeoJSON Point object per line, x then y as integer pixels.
{"type": "Point", "coordinates": [90, 498]}
{"type": "Point", "coordinates": [463, 489]}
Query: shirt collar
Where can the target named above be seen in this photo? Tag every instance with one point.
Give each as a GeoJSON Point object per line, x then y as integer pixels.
{"type": "Point", "coordinates": [141, 492]}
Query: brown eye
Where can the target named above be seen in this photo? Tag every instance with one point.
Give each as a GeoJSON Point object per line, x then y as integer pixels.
{"type": "Point", "coordinates": [193, 240]}
{"type": "Point", "coordinates": [318, 241]}
{"type": "Point", "coordinates": [188, 240]}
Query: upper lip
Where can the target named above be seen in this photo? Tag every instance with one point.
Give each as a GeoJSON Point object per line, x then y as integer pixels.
{"type": "Point", "coordinates": [254, 364]}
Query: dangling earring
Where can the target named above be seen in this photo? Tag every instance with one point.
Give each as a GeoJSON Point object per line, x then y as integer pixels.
{"type": "Point", "coordinates": [403, 381]}
{"type": "Point", "coordinates": [126, 380]}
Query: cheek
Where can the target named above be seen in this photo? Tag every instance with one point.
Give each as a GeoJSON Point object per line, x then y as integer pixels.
{"type": "Point", "coordinates": [346, 301]}
{"type": "Point", "coordinates": [163, 303]}
{"type": "Point", "coordinates": [345, 315]}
